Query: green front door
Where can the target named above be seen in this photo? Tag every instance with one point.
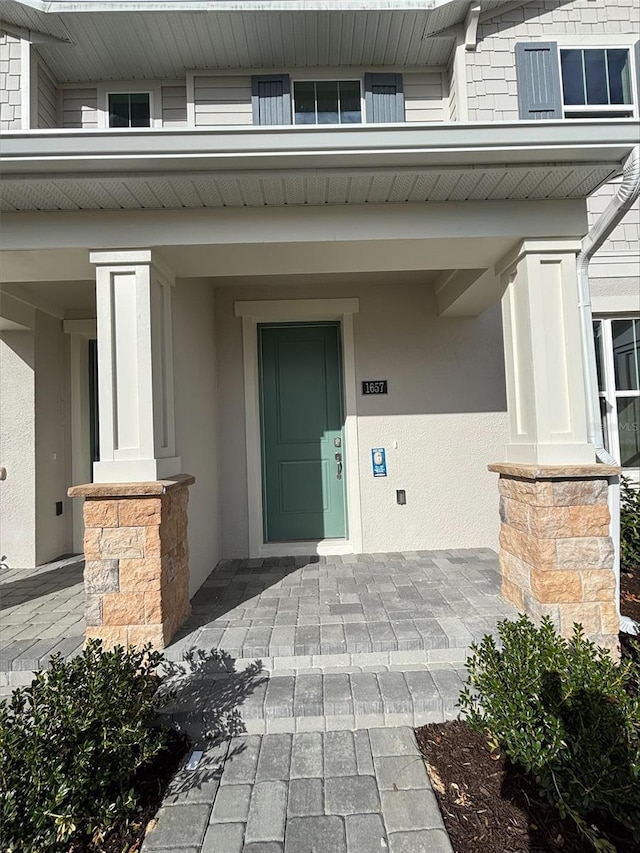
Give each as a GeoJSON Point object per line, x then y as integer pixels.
{"type": "Point", "coordinates": [303, 486]}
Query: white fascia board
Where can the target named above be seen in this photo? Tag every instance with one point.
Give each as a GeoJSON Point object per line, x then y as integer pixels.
{"type": "Point", "coordinates": [57, 152]}
{"type": "Point", "coordinates": [61, 7]}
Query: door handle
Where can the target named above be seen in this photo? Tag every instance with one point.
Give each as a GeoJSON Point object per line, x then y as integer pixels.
{"type": "Point", "coordinates": [338, 458]}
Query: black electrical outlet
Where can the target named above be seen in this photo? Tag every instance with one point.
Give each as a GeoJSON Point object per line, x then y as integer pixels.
{"type": "Point", "coordinates": [58, 507]}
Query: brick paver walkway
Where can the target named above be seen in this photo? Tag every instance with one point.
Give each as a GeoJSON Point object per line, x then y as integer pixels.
{"type": "Point", "coordinates": [41, 613]}
{"type": "Point", "coordinates": [335, 792]}
{"type": "Point", "coordinates": [355, 652]}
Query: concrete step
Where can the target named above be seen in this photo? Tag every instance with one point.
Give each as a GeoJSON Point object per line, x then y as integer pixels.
{"type": "Point", "coordinates": [342, 698]}
{"type": "Point", "coordinates": [300, 647]}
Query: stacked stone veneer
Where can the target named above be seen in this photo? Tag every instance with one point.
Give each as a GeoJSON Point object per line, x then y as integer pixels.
{"type": "Point", "coordinates": [556, 554]}
{"type": "Point", "coordinates": [136, 574]}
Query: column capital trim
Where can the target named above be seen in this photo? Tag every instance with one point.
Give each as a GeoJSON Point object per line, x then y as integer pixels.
{"type": "Point", "coordinates": [551, 246]}
{"type": "Point", "coordinates": [132, 257]}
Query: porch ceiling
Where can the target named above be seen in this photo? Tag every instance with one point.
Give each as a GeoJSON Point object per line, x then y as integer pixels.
{"type": "Point", "coordinates": [107, 40]}
{"type": "Point", "coordinates": [256, 167]}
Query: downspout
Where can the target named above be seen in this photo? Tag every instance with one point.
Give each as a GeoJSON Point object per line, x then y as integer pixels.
{"type": "Point", "coordinates": [620, 204]}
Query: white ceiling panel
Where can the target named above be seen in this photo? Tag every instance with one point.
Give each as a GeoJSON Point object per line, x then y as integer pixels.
{"type": "Point", "coordinates": [162, 45]}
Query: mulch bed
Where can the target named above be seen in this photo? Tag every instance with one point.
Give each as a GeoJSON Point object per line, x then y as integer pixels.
{"type": "Point", "coordinates": [150, 784]}
{"type": "Point", "coordinates": [488, 805]}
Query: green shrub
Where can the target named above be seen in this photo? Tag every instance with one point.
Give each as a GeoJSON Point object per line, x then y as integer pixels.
{"type": "Point", "coordinates": [561, 711]}
{"type": "Point", "coordinates": [629, 524]}
{"type": "Point", "coordinates": [70, 744]}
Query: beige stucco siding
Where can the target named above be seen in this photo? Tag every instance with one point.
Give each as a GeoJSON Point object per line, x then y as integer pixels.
{"type": "Point", "coordinates": [491, 75]}
{"type": "Point", "coordinates": [10, 79]}
{"type": "Point", "coordinates": [222, 100]}
{"type": "Point", "coordinates": [52, 418]}
{"type": "Point", "coordinates": [194, 348]}
{"type": "Point", "coordinates": [17, 448]}
{"type": "Point", "coordinates": [443, 420]}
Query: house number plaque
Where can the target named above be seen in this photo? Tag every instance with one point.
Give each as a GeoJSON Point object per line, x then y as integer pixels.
{"type": "Point", "coordinates": [374, 386]}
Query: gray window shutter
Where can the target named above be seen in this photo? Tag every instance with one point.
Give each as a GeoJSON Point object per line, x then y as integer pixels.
{"type": "Point", "coordinates": [383, 98]}
{"type": "Point", "coordinates": [538, 75]}
{"type": "Point", "coordinates": [271, 99]}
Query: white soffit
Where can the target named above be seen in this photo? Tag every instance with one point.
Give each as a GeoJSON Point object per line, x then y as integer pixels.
{"type": "Point", "coordinates": [159, 40]}
{"type": "Point", "coordinates": [104, 192]}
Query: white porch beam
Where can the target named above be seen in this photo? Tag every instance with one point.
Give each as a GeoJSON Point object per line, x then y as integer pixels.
{"type": "Point", "coordinates": [466, 292]}
{"type": "Point", "coordinates": [544, 369]}
{"type": "Point", "coordinates": [135, 367]}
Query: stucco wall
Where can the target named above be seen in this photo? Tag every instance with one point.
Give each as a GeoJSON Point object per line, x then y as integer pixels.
{"type": "Point", "coordinates": [196, 427]}
{"type": "Point", "coordinates": [17, 449]}
{"type": "Point", "coordinates": [53, 463]}
{"type": "Point", "coordinates": [443, 420]}
{"type": "Point", "coordinates": [491, 74]}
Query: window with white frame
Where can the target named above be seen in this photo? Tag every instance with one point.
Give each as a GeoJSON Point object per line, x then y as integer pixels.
{"type": "Point", "coordinates": [129, 109]}
{"type": "Point", "coordinates": [327, 102]}
{"type": "Point", "coordinates": [129, 103]}
{"type": "Point", "coordinates": [596, 82]}
{"type": "Point", "coordinates": [617, 342]}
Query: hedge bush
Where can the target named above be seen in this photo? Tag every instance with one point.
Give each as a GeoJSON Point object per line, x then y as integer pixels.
{"type": "Point", "coordinates": [70, 744]}
{"type": "Point", "coordinates": [629, 524]}
{"type": "Point", "coordinates": [562, 710]}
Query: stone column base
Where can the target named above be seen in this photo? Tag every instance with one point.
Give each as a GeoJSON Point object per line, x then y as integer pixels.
{"type": "Point", "coordinates": [556, 553]}
{"type": "Point", "coordinates": [136, 576]}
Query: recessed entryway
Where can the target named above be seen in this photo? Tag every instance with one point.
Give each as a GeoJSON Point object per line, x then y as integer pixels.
{"type": "Point", "coordinates": [300, 411]}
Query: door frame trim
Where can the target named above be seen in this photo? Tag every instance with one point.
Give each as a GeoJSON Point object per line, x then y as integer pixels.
{"type": "Point", "coordinates": [299, 311]}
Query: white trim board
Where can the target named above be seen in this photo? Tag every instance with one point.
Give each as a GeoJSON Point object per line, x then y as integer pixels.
{"type": "Point", "coordinates": [301, 311]}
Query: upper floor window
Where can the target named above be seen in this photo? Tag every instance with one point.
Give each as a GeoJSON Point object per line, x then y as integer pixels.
{"type": "Point", "coordinates": [276, 100]}
{"type": "Point", "coordinates": [327, 102]}
{"type": "Point", "coordinates": [129, 109]}
{"type": "Point", "coordinates": [618, 362]}
{"type": "Point", "coordinates": [556, 82]}
{"type": "Point", "coordinates": [596, 81]}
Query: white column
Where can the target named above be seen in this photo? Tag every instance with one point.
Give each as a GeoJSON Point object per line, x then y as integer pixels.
{"type": "Point", "coordinates": [135, 367]}
{"type": "Point", "coordinates": [543, 356]}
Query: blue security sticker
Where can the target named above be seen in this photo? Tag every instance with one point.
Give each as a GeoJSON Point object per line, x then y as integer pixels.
{"type": "Point", "coordinates": [379, 462]}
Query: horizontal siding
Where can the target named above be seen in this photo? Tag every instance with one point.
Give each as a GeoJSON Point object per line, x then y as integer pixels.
{"type": "Point", "coordinates": [174, 105]}
{"type": "Point", "coordinates": [424, 97]}
{"type": "Point", "coordinates": [221, 100]}
{"type": "Point", "coordinates": [47, 96]}
{"type": "Point", "coordinates": [79, 107]}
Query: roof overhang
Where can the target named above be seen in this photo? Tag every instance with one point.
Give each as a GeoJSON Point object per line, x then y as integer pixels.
{"type": "Point", "coordinates": [262, 166]}
{"type": "Point", "coordinates": [108, 39]}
